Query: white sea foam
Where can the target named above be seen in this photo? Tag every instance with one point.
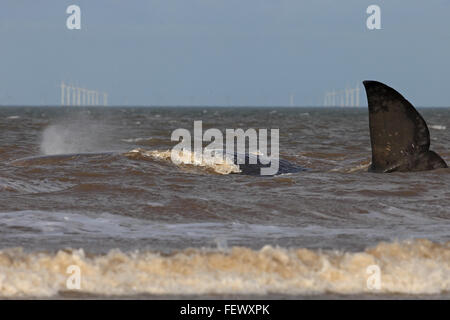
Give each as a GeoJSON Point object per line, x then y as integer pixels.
{"type": "Point", "coordinates": [139, 139]}
{"type": "Point", "coordinates": [437, 127]}
{"type": "Point", "coordinates": [411, 267]}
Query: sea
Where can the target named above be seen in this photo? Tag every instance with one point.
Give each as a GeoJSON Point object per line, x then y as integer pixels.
{"type": "Point", "coordinates": [92, 206]}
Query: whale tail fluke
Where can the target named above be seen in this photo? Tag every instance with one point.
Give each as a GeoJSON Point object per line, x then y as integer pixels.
{"type": "Point", "coordinates": [399, 136]}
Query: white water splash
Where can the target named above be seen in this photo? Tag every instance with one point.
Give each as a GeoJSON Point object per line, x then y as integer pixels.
{"type": "Point", "coordinates": [75, 135]}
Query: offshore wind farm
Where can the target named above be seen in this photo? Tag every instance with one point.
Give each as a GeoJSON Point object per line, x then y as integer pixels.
{"type": "Point", "coordinates": [348, 97]}
{"type": "Point", "coordinates": [72, 95]}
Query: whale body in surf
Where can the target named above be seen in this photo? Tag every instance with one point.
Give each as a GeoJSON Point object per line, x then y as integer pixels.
{"type": "Point", "coordinates": [399, 136]}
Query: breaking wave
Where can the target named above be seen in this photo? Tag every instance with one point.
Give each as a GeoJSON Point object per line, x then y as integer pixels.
{"type": "Point", "coordinates": [409, 267]}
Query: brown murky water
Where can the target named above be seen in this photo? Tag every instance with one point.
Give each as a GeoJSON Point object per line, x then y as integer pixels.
{"type": "Point", "coordinates": [139, 224]}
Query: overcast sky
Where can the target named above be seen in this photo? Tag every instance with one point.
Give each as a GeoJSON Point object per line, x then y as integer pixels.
{"type": "Point", "coordinates": [222, 52]}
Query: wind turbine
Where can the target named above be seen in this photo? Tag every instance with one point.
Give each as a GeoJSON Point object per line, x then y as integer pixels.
{"type": "Point", "coordinates": [78, 96]}
{"type": "Point", "coordinates": [74, 96]}
{"type": "Point", "coordinates": [357, 94]}
{"type": "Point", "coordinates": [63, 89]}
{"type": "Point", "coordinates": [68, 88]}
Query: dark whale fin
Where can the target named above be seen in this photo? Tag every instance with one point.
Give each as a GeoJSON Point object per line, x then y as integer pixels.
{"type": "Point", "coordinates": [399, 135]}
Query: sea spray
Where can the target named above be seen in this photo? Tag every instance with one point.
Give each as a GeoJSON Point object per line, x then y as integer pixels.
{"type": "Point", "coordinates": [76, 134]}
